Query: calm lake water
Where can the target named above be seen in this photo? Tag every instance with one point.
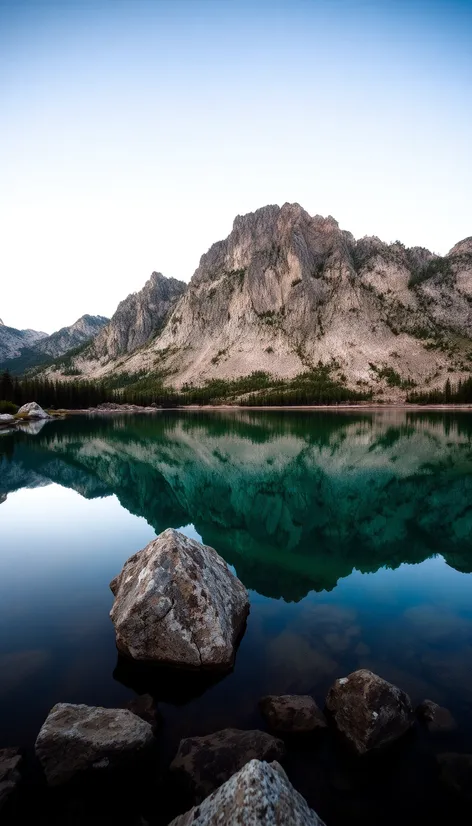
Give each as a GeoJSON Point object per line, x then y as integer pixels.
{"type": "Point", "coordinates": [352, 532]}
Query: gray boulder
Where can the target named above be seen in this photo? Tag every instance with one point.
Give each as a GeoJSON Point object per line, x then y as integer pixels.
{"type": "Point", "coordinates": [258, 795]}
{"type": "Point", "coordinates": [177, 603]}
{"type": "Point", "coordinates": [207, 762]}
{"type": "Point", "coordinates": [79, 737]}
{"type": "Point", "coordinates": [10, 777]}
{"type": "Point", "coordinates": [292, 713]}
{"type": "Point", "coordinates": [436, 718]}
{"type": "Point", "coordinates": [368, 712]}
{"type": "Point", "coordinates": [33, 411]}
{"type": "Point", "coordinates": [6, 418]}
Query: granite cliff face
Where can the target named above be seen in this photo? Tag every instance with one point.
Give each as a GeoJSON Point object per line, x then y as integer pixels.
{"type": "Point", "coordinates": [136, 320]}
{"type": "Point", "coordinates": [286, 290]}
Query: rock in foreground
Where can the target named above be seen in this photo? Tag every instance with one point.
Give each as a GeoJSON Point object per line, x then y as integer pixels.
{"type": "Point", "coordinates": [209, 761]}
{"type": "Point", "coordinates": [77, 737]}
{"type": "Point", "coordinates": [368, 712]}
{"type": "Point", "coordinates": [10, 777]}
{"type": "Point", "coordinates": [177, 603]}
{"type": "Point", "coordinates": [32, 410]}
{"type": "Point", "coordinates": [258, 795]}
{"type": "Point", "coordinates": [292, 713]}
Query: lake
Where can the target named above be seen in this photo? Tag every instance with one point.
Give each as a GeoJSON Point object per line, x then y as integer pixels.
{"type": "Point", "coordinates": [351, 530]}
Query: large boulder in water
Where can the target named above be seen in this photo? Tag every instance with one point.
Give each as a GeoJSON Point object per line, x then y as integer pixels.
{"type": "Point", "coordinates": [32, 410]}
{"type": "Point", "coordinates": [258, 795]}
{"type": "Point", "coordinates": [177, 603]}
{"type": "Point", "coordinates": [368, 712]}
{"type": "Point", "coordinates": [206, 762]}
{"type": "Point", "coordinates": [78, 737]}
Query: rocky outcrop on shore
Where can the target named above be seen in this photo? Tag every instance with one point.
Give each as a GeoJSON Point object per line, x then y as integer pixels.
{"type": "Point", "coordinates": [260, 794]}
{"type": "Point", "coordinates": [75, 738]}
{"type": "Point", "coordinates": [177, 603]}
{"type": "Point", "coordinates": [32, 410]}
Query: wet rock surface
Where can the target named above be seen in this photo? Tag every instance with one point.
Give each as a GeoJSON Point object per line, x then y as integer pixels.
{"type": "Point", "coordinates": [292, 713]}
{"type": "Point", "coordinates": [10, 777]}
{"type": "Point", "coordinates": [177, 603]}
{"type": "Point", "coordinates": [75, 738]}
{"type": "Point", "coordinates": [436, 718]}
{"type": "Point", "coordinates": [258, 795]}
{"type": "Point", "coordinates": [368, 712]}
{"type": "Point", "coordinates": [207, 762]}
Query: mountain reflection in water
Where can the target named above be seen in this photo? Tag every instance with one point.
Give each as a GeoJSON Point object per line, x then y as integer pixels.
{"type": "Point", "coordinates": [295, 501]}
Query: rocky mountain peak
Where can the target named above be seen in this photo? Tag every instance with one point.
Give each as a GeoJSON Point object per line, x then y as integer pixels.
{"type": "Point", "coordinates": [138, 317]}
{"type": "Point", "coordinates": [285, 291]}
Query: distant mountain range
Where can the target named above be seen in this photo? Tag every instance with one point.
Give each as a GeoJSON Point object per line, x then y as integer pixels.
{"type": "Point", "coordinates": [24, 349]}
{"type": "Point", "coordinates": [285, 292]}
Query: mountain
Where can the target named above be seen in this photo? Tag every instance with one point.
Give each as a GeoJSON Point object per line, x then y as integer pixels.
{"type": "Point", "coordinates": [12, 341]}
{"type": "Point", "coordinates": [286, 291]}
{"type": "Point", "coordinates": [84, 329]}
{"type": "Point", "coordinates": [34, 352]}
{"type": "Point", "coordinates": [137, 318]}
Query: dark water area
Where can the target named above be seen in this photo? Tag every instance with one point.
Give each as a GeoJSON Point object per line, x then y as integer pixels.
{"type": "Point", "coordinates": [352, 532]}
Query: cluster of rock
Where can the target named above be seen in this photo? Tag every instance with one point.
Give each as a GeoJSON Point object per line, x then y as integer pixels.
{"type": "Point", "coordinates": [178, 604]}
{"type": "Point", "coordinates": [30, 412]}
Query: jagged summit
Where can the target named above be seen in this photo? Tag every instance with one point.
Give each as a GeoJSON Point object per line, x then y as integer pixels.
{"type": "Point", "coordinates": [286, 291]}
{"type": "Point", "coordinates": [137, 318]}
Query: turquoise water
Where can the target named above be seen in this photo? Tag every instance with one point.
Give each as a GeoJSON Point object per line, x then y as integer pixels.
{"type": "Point", "coordinates": [352, 532]}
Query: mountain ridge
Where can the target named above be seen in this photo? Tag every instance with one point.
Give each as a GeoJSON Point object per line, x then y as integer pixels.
{"type": "Point", "coordinates": [286, 291]}
{"type": "Point", "coordinates": [35, 351]}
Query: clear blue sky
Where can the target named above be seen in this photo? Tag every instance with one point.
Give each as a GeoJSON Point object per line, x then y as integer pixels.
{"type": "Point", "coordinates": [133, 131]}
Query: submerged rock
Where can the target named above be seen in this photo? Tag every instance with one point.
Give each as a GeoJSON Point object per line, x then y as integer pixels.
{"type": "Point", "coordinates": [78, 737]}
{"type": "Point", "coordinates": [32, 410]}
{"type": "Point", "coordinates": [177, 603]}
{"type": "Point", "coordinates": [207, 762]}
{"type": "Point", "coordinates": [437, 718]}
{"type": "Point", "coordinates": [258, 795]}
{"type": "Point", "coordinates": [10, 777]}
{"type": "Point", "coordinates": [456, 773]}
{"type": "Point", "coordinates": [295, 713]}
{"type": "Point", "coordinates": [368, 712]}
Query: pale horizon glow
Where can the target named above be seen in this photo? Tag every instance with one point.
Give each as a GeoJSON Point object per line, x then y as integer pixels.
{"type": "Point", "coordinates": [134, 131]}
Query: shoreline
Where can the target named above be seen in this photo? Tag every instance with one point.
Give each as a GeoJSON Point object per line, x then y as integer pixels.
{"type": "Point", "coordinates": [371, 407]}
